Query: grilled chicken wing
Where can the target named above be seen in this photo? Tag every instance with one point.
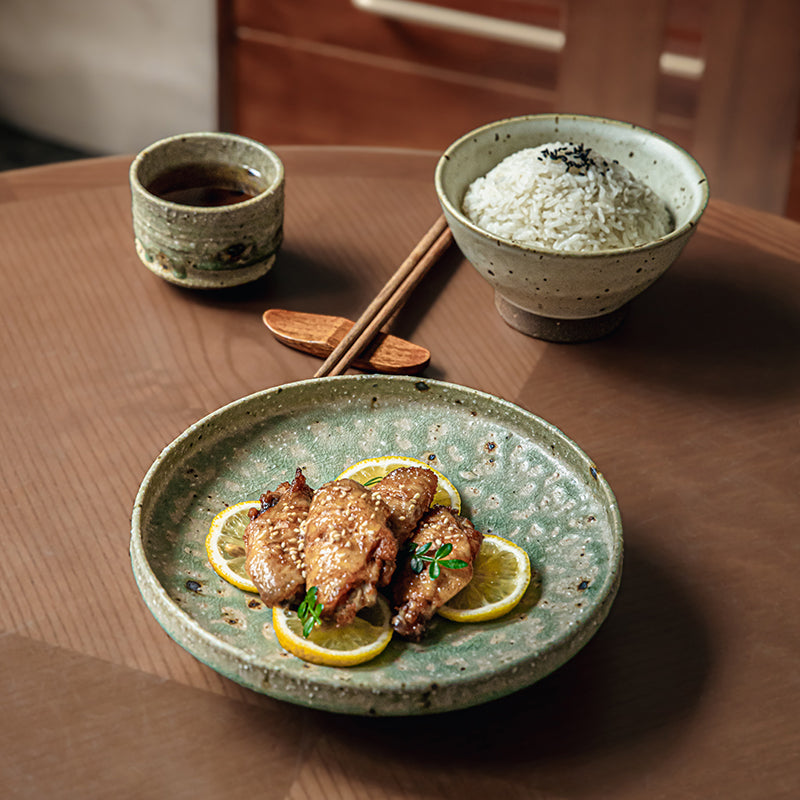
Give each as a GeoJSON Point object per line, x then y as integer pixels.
{"type": "Point", "coordinates": [407, 492]}
{"type": "Point", "coordinates": [417, 596]}
{"type": "Point", "coordinates": [273, 542]}
{"type": "Point", "coordinates": [349, 549]}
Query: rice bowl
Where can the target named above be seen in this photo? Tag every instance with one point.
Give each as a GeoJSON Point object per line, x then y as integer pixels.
{"type": "Point", "coordinates": [561, 294]}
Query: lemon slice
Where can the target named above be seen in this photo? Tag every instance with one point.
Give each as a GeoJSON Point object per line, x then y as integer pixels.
{"type": "Point", "coordinates": [371, 470]}
{"type": "Point", "coordinates": [225, 544]}
{"type": "Point", "coordinates": [363, 639]}
{"type": "Point", "coordinates": [502, 573]}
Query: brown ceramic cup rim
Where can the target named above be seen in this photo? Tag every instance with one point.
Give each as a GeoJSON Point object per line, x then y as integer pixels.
{"type": "Point", "coordinates": [191, 143]}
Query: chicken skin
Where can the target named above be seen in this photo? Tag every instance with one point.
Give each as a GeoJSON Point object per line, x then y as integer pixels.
{"type": "Point", "coordinates": [274, 544]}
{"type": "Point", "coordinates": [408, 493]}
{"type": "Point", "coordinates": [417, 596]}
{"type": "Point", "coordinates": [350, 551]}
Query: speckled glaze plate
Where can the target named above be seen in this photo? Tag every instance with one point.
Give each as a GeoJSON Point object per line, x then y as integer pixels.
{"type": "Point", "coordinates": [519, 477]}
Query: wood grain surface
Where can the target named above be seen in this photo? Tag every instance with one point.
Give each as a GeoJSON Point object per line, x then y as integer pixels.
{"type": "Point", "coordinates": [689, 690]}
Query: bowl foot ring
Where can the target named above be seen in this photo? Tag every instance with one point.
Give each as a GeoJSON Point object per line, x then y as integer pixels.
{"type": "Point", "coordinates": [558, 330]}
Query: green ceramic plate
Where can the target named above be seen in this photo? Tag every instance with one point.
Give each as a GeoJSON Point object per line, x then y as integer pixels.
{"type": "Point", "coordinates": [519, 477]}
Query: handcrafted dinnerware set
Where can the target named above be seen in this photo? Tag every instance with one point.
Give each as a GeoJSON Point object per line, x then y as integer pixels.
{"type": "Point", "coordinates": [198, 227]}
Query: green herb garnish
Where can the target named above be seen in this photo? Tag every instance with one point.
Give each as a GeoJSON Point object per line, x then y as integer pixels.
{"type": "Point", "coordinates": [308, 612]}
{"type": "Point", "coordinates": [420, 557]}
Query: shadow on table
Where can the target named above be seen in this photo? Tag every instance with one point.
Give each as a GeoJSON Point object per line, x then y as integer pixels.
{"type": "Point", "coordinates": [297, 282]}
{"type": "Point", "coordinates": [710, 328]}
{"type": "Point", "coordinates": [631, 689]}
{"type": "Point", "coordinates": [302, 282]}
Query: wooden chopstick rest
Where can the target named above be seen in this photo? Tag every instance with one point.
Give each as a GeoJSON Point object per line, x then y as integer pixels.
{"type": "Point", "coordinates": [319, 334]}
{"type": "Point", "coordinates": [391, 297]}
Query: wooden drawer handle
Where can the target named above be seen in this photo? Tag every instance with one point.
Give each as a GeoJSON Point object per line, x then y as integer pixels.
{"type": "Point", "coordinates": [503, 30]}
{"type": "Point", "coordinates": [465, 22]}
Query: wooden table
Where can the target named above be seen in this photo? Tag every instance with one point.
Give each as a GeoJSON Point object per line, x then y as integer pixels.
{"type": "Point", "coordinates": [691, 689]}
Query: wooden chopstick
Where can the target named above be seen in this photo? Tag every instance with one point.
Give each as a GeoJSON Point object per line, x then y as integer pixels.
{"type": "Point", "coordinates": [390, 298]}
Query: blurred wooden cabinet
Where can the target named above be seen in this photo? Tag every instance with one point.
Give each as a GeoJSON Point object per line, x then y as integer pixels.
{"type": "Point", "coordinates": [333, 72]}
{"type": "Point", "coordinates": [326, 72]}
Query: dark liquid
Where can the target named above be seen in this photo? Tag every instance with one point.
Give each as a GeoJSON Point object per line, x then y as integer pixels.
{"type": "Point", "coordinates": [207, 184]}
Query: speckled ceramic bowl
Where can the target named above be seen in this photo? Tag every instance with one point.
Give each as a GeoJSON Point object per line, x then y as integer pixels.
{"type": "Point", "coordinates": [214, 246]}
{"type": "Point", "coordinates": [570, 296]}
{"type": "Point", "coordinates": [518, 476]}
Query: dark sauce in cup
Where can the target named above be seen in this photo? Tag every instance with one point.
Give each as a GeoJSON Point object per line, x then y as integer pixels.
{"type": "Point", "coordinates": [207, 184]}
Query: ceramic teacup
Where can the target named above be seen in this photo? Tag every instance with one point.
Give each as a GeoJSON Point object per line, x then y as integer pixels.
{"type": "Point", "coordinates": [207, 209]}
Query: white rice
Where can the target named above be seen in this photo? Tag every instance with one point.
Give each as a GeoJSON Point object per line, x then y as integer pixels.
{"type": "Point", "coordinates": [566, 197]}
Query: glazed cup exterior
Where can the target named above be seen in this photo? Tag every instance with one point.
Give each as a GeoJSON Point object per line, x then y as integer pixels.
{"type": "Point", "coordinates": [207, 247]}
{"type": "Point", "coordinates": [571, 286]}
